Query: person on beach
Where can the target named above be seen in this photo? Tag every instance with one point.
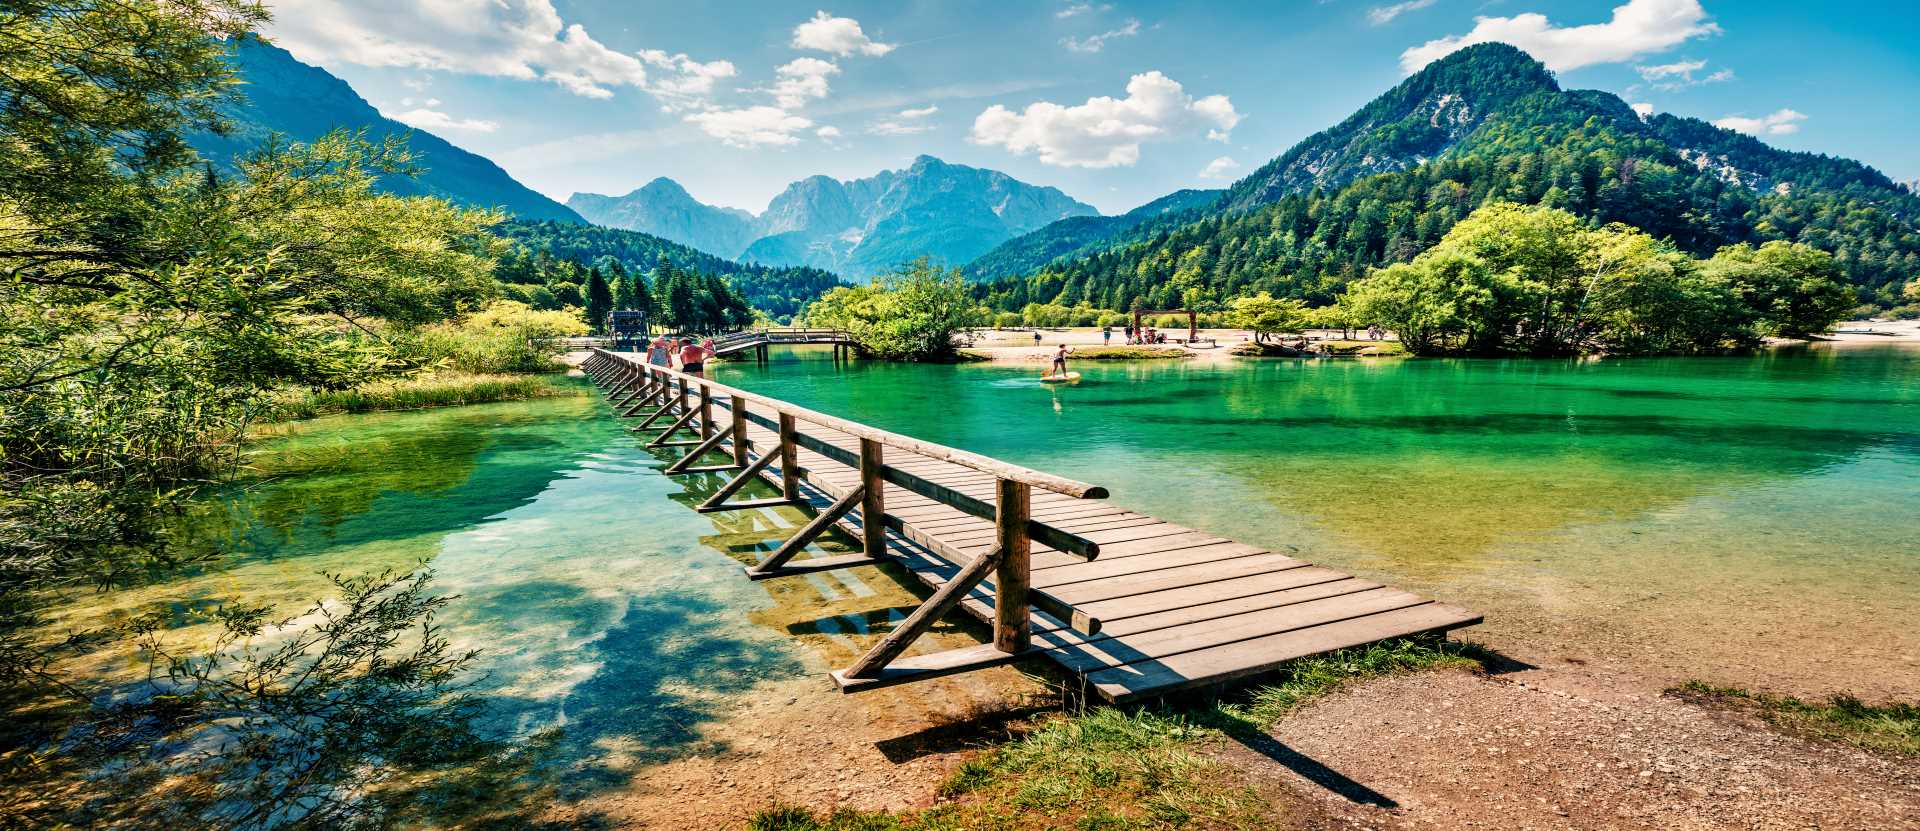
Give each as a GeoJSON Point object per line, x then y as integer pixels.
{"type": "Point", "coordinates": [1036, 336]}
{"type": "Point", "coordinates": [1106, 336]}
{"type": "Point", "coordinates": [693, 358]}
{"type": "Point", "coordinates": [659, 352]}
{"type": "Point", "coordinates": [1060, 359]}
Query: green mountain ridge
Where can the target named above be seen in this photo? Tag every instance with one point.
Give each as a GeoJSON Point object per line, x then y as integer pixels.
{"type": "Point", "coordinates": [1487, 123]}
{"type": "Point", "coordinates": [283, 96]}
{"type": "Point", "coordinates": [1065, 237]}
{"type": "Point", "coordinates": [779, 291]}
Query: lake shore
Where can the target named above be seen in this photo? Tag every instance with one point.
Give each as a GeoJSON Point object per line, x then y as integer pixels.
{"type": "Point", "coordinates": [1019, 347]}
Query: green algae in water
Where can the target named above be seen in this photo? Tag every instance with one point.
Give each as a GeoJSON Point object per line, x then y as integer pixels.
{"type": "Point", "coordinates": [596, 605]}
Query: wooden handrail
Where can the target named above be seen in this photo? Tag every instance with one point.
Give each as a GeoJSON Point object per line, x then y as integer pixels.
{"type": "Point", "coordinates": [1009, 560]}
{"type": "Point", "coordinates": [963, 458]}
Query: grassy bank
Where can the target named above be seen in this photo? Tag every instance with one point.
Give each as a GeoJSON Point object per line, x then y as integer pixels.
{"type": "Point", "coordinates": [1107, 769]}
{"type": "Point", "coordinates": [441, 390]}
{"type": "Point", "coordinates": [1892, 728]}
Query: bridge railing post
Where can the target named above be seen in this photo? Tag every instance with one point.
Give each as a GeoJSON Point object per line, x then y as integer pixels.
{"type": "Point", "coordinates": [789, 458]}
{"type": "Point", "coordinates": [706, 411]}
{"type": "Point", "coordinates": [739, 410]}
{"type": "Point", "coordinates": [1012, 630]}
{"type": "Point", "coordinates": [873, 506]}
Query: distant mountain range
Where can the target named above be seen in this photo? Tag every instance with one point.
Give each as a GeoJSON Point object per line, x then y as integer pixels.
{"type": "Point", "coordinates": [1485, 123]}
{"type": "Point", "coordinates": [857, 228]}
{"type": "Point", "coordinates": [302, 103]}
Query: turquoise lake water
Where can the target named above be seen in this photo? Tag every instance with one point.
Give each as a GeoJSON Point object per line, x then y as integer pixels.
{"type": "Point", "coordinates": [1749, 520]}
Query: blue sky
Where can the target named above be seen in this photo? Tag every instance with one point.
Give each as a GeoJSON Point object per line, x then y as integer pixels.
{"type": "Point", "coordinates": [1115, 102]}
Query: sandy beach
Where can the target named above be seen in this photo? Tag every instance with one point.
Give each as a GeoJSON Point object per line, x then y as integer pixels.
{"type": "Point", "coordinates": [1019, 345]}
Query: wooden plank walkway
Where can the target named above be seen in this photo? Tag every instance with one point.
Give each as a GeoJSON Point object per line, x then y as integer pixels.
{"type": "Point", "coordinates": [1161, 608]}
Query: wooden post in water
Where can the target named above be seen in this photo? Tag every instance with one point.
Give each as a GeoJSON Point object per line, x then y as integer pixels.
{"type": "Point", "coordinates": [739, 409]}
{"type": "Point", "coordinates": [873, 508]}
{"type": "Point", "coordinates": [789, 459]}
{"type": "Point", "coordinates": [1011, 632]}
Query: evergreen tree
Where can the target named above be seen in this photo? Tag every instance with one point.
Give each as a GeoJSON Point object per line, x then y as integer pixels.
{"type": "Point", "coordinates": [599, 300]}
{"type": "Point", "coordinates": [622, 286]}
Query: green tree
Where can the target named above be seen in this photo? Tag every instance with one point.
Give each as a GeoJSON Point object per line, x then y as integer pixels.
{"type": "Point", "coordinates": [153, 307]}
{"type": "Point", "coordinates": [912, 314]}
{"type": "Point", "coordinates": [1790, 289]}
{"type": "Point", "coordinates": [622, 283]}
{"type": "Point", "coordinates": [599, 300]}
{"type": "Point", "coordinates": [1511, 279]}
{"type": "Point", "coordinates": [1264, 315]}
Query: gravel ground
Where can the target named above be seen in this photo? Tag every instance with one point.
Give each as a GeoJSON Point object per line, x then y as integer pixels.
{"type": "Point", "coordinates": [1556, 750]}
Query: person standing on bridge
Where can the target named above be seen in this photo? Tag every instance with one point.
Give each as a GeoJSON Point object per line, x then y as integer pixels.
{"type": "Point", "coordinates": [660, 351]}
{"type": "Point", "coordinates": [693, 358]}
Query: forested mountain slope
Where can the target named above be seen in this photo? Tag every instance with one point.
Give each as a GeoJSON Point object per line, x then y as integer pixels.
{"type": "Point", "coordinates": [779, 291]}
{"type": "Point", "coordinates": [1287, 231]}
{"type": "Point", "coordinates": [283, 96]}
{"type": "Point", "coordinates": [1071, 236]}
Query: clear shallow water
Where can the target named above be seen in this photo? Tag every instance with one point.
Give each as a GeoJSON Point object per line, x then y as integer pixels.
{"type": "Point", "coordinates": [1751, 520]}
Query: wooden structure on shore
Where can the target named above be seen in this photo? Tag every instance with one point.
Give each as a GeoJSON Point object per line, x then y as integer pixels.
{"type": "Point", "coordinates": [1133, 606]}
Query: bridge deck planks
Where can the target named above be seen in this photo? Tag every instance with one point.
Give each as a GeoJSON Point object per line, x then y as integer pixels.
{"type": "Point", "coordinates": [1180, 607]}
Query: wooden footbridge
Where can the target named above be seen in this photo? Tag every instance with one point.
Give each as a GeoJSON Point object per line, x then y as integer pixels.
{"type": "Point", "coordinates": [759, 339]}
{"type": "Point", "coordinates": [1133, 606]}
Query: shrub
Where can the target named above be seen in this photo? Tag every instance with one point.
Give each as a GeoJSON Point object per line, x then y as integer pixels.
{"type": "Point", "coordinates": [506, 336]}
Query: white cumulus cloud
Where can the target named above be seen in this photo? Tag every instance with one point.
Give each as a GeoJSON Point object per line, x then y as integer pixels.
{"type": "Point", "coordinates": [751, 126]}
{"type": "Point", "coordinates": [1105, 131]}
{"type": "Point", "coordinates": [1670, 77]}
{"type": "Point", "coordinates": [828, 132]}
{"type": "Point", "coordinates": [1643, 109]}
{"type": "Point", "coordinates": [690, 81]}
{"type": "Point", "coordinates": [839, 35]}
{"type": "Point", "coordinates": [1220, 168]}
{"type": "Point", "coordinates": [905, 123]}
{"type": "Point", "coordinates": [1636, 28]}
{"type": "Point", "coordinates": [1077, 9]}
{"type": "Point", "coordinates": [1780, 122]}
{"type": "Point", "coordinates": [1095, 43]}
{"type": "Point", "coordinates": [1382, 15]}
{"type": "Point", "coordinates": [522, 39]}
{"type": "Point", "coordinates": [432, 120]}
{"type": "Point", "coordinates": [801, 80]}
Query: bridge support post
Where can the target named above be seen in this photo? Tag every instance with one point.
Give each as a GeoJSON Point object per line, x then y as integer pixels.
{"type": "Point", "coordinates": [789, 459]}
{"type": "Point", "coordinates": [873, 507]}
{"type": "Point", "coordinates": [739, 410]}
{"type": "Point", "coordinates": [1012, 630]}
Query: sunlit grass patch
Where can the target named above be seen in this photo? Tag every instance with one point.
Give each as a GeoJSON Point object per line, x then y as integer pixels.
{"type": "Point", "coordinates": [442, 390]}
{"type": "Point", "coordinates": [1893, 727]}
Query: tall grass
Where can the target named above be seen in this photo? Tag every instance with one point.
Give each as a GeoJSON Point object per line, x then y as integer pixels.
{"type": "Point", "coordinates": [443, 390]}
